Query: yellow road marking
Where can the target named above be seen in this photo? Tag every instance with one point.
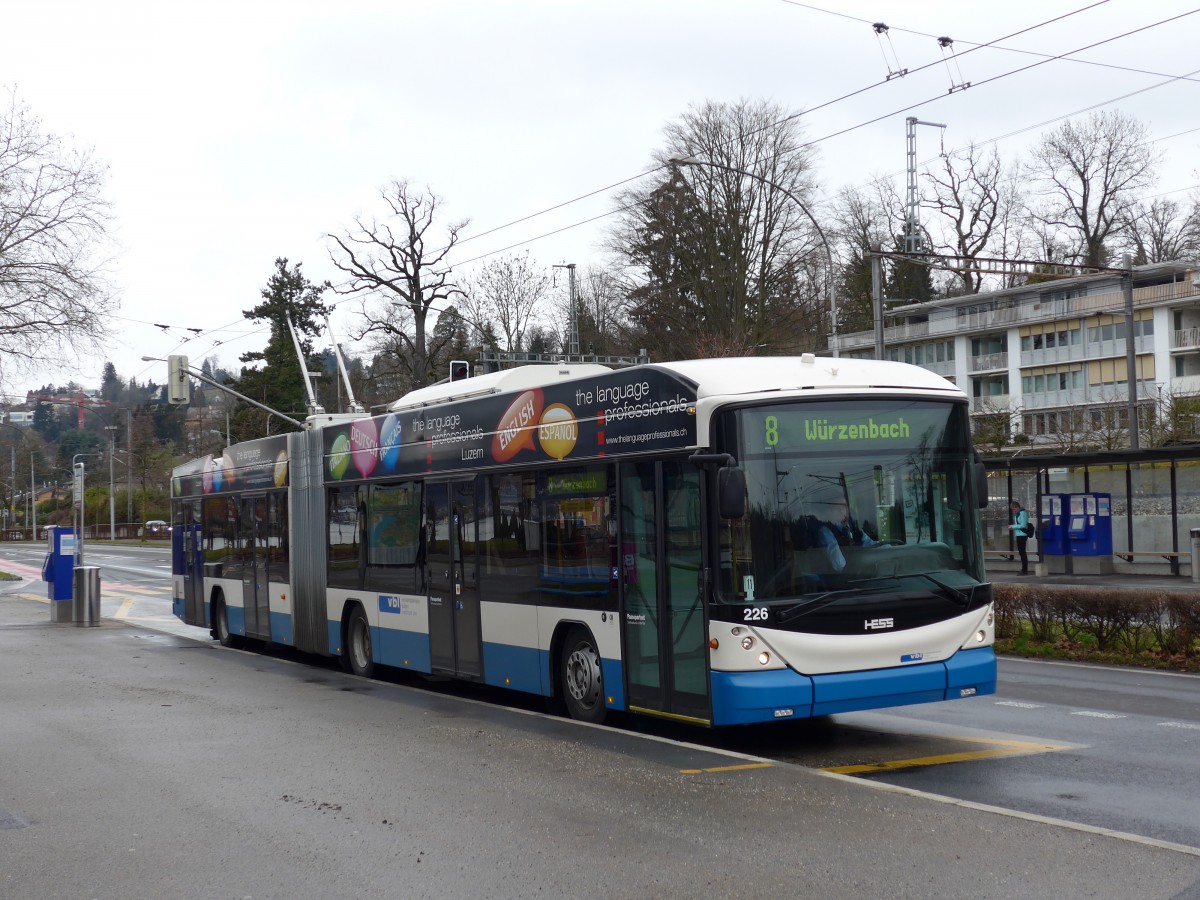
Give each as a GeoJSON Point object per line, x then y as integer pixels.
{"type": "Point", "coordinates": [741, 768]}
{"type": "Point", "coordinates": [126, 605]}
{"type": "Point", "coordinates": [1000, 748]}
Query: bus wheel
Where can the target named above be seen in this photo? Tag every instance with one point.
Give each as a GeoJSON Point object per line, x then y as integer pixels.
{"type": "Point", "coordinates": [581, 678]}
{"type": "Point", "coordinates": [358, 644]}
{"type": "Point", "coordinates": [221, 625]}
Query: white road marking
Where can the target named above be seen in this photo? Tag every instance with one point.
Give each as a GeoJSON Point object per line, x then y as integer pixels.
{"type": "Point", "coordinates": [1098, 715]}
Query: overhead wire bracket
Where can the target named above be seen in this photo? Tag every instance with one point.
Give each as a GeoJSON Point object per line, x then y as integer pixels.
{"type": "Point", "coordinates": [893, 64]}
{"type": "Point", "coordinates": [946, 43]}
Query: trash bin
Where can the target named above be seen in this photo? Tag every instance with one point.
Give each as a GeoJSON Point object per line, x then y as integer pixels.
{"type": "Point", "coordinates": [85, 603]}
{"type": "Point", "coordinates": [1196, 555]}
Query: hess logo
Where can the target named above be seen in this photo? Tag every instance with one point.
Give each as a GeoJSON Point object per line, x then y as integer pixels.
{"type": "Point", "coordinates": [879, 624]}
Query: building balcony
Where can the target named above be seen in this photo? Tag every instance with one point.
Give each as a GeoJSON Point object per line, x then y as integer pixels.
{"type": "Point", "coordinates": [989, 361]}
{"type": "Point", "coordinates": [1185, 339]}
{"type": "Point", "coordinates": [1185, 386]}
{"type": "Point", "coordinates": [990, 404]}
{"type": "Point", "coordinates": [1056, 399]}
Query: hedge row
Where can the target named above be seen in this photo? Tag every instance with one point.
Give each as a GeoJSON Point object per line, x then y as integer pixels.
{"type": "Point", "coordinates": [1135, 621]}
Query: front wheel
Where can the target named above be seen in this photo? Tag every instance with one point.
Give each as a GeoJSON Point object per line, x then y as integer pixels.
{"type": "Point", "coordinates": [221, 625]}
{"type": "Point", "coordinates": [581, 677]}
{"type": "Point", "coordinates": [358, 644]}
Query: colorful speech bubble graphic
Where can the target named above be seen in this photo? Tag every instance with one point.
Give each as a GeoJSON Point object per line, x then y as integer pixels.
{"type": "Point", "coordinates": [364, 445]}
{"type": "Point", "coordinates": [558, 431]}
{"type": "Point", "coordinates": [514, 431]}
{"type": "Point", "coordinates": [339, 457]}
{"type": "Point", "coordinates": [281, 468]}
{"type": "Point", "coordinates": [389, 443]}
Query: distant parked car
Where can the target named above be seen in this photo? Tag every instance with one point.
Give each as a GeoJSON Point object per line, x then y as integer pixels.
{"type": "Point", "coordinates": [156, 528]}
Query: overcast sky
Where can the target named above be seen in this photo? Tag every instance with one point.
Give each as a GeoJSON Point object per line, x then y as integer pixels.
{"type": "Point", "coordinates": [238, 132]}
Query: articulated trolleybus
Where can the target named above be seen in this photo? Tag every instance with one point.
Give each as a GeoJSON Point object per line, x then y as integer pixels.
{"type": "Point", "coordinates": [718, 541]}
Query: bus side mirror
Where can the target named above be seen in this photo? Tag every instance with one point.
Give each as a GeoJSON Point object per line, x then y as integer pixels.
{"type": "Point", "coordinates": [981, 485]}
{"type": "Point", "coordinates": [731, 492]}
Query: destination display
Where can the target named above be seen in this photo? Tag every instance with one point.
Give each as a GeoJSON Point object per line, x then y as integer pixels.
{"type": "Point", "coordinates": [851, 426]}
{"type": "Point", "coordinates": [625, 411]}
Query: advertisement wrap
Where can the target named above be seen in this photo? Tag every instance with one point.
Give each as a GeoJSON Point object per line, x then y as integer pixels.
{"type": "Point", "coordinates": [260, 464]}
{"type": "Point", "coordinates": [626, 411]}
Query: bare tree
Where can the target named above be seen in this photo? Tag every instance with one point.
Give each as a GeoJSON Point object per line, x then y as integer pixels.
{"type": "Point", "coordinates": [1070, 430]}
{"type": "Point", "coordinates": [603, 300]}
{"type": "Point", "coordinates": [873, 214]}
{"type": "Point", "coordinates": [1110, 421]}
{"type": "Point", "coordinates": [863, 218]}
{"type": "Point", "coordinates": [1086, 175]}
{"type": "Point", "coordinates": [1163, 231]}
{"type": "Point", "coordinates": [1174, 420]}
{"type": "Point", "coordinates": [967, 192]}
{"type": "Point", "coordinates": [1012, 235]}
{"type": "Point", "coordinates": [992, 426]}
{"type": "Point", "coordinates": [55, 298]}
{"type": "Point", "coordinates": [711, 246]}
{"type": "Point", "coordinates": [390, 262]}
{"type": "Point", "coordinates": [508, 294]}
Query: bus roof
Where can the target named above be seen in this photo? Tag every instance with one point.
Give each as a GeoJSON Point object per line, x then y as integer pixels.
{"type": "Point", "coordinates": [518, 379]}
{"type": "Point", "coordinates": [712, 377]}
{"type": "Point", "coordinates": [756, 375]}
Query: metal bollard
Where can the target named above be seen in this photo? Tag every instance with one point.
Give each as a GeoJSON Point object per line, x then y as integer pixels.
{"type": "Point", "coordinates": [85, 603]}
{"type": "Point", "coordinates": [1196, 555]}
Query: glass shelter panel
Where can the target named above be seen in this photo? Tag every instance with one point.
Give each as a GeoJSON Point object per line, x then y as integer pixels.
{"type": "Point", "coordinates": [1151, 509]}
{"type": "Point", "coordinates": [1187, 491]}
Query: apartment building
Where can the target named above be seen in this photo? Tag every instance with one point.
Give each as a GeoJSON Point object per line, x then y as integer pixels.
{"type": "Point", "coordinates": [1052, 356]}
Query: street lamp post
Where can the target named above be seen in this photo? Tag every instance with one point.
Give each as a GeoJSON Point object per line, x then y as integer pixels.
{"type": "Point", "coordinates": [78, 476]}
{"type": "Point", "coordinates": [830, 295]}
{"type": "Point", "coordinates": [112, 494]}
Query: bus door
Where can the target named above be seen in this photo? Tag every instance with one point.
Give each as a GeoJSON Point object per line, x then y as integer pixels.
{"type": "Point", "coordinates": [455, 635]}
{"type": "Point", "coordinates": [664, 622]}
{"type": "Point", "coordinates": [193, 564]}
{"type": "Point", "coordinates": [252, 538]}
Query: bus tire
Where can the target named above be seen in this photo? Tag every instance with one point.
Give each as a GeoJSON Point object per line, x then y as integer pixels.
{"type": "Point", "coordinates": [221, 631]}
{"type": "Point", "coordinates": [358, 644]}
{"type": "Point", "coordinates": [581, 678]}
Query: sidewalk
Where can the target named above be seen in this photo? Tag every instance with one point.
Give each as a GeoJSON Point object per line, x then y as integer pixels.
{"type": "Point", "coordinates": [144, 766]}
{"type": "Point", "coordinates": [120, 605]}
{"type": "Point", "coordinates": [1006, 573]}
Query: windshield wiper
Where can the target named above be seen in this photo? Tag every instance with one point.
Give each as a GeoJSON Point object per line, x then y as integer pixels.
{"type": "Point", "coordinates": [806, 606]}
{"type": "Point", "coordinates": [962, 598]}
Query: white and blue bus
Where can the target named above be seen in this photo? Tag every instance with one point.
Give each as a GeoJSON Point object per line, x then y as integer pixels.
{"type": "Point", "coordinates": [719, 541]}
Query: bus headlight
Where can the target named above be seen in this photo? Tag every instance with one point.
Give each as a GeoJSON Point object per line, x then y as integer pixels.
{"type": "Point", "coordinates": [747, 642]}
{"type": "Point", "coordinates": [764, 658]}
{"type": "Point", "coordinates": [980, 636]}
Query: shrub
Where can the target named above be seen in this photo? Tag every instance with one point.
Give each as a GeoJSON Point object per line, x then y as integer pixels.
{"type": "Point", "coordinates": [1136, 621]}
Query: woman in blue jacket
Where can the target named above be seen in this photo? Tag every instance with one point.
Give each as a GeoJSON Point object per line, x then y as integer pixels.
{"type": "Point", "coordinates": [1020, 529]}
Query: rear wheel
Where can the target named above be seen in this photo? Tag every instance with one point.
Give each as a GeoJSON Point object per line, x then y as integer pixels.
{"type": "Point", "coordinates": [581, 677]}
{"type": "Point", "coordinates": [358, 644]}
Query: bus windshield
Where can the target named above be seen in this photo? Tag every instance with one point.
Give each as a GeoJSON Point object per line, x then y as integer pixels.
{"type": "Point", "coordinates": [850, 498]}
